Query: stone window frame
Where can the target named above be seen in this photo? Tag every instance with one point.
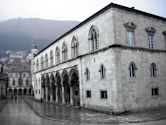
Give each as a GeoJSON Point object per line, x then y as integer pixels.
{"type": "Point", "coordinates": [103, 94]}
{"type": "Point", "coordinates": [37, 64]}
{"type": "Point", "coordinates": [64, 52]}
{"type": "Point", "coordinates": [154, 91]}
{"type": "Point", "coordinates": [57, 55]}
{"type": "Point", "coordinates": [150, 32]}
{"type": "Point", "coordinates": [74, 47]}
{"type": "Point", "coordinates": [102, 71]}
{"type": "Point", "coordinates": [51, 58]}
{"type": "Point", "coordinates": [130, 27]}
{"type": "Point", "coordinates": [93, 38]}
{"type": "Point", "coordinates": [164, 34]}
{"type": "Point", "coordinates": [153, 70]}
{"type": "Point", "coordinates": [132, 70]}
{"type": "Point", "coordinates": [87, 74]}
{"type": "Point", "coordinates": [46, 60]}
{"type": "Point", "coordinates": [88, 94]}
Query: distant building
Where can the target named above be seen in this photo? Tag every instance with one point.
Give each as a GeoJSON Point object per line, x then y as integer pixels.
{"type": "Point", "coordinates": [3, 83]}
{"type": "Point", "coordinates": [19, 80]}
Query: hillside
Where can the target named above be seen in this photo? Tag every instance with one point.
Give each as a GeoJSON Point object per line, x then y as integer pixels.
{"type": "Point", "coordinates": [19, 34]}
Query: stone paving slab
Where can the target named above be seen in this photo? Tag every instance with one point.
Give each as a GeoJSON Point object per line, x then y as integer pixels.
{"type": "Point", "coordinates": [3, 102]}
{"type": "Point", "coordinates": [75, 115]}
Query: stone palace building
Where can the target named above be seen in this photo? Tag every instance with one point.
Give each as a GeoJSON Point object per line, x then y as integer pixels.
{"type": "Point", "coordinates": [19, 80]}
{"type": "Point", "coordinates": [115, 60]}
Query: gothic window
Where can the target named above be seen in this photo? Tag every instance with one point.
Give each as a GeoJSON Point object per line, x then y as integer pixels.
{"type": "Point", "coordinates": [102, 71]}
{"type": "Point", "coordinates": [150, 32]}
{"type": "Point", "coordinates": [64, 52]}
{"type": "Point", "coordinates": [103, 94]}
{"type": "Point", "coordinates": [74, 47]}
{"type": "Point", "coordinates": [93, 38]}
{"type": "Point", "coordinates": [42, 63]}
{"type": "Point", "coordinates": [57, 55]}
{"type": "Point", "coordinates": [87, 74]}
{"type": "Point", "coordinates": [153, 70]}
{"type": "Point", "coordinates": [130, 28]}
{"type": "Point", "coordinates": [46, 61]}
{"type": "Point", "coordinates": [51, 58]}
{"type": "Point", "coordinates": [132, 70]}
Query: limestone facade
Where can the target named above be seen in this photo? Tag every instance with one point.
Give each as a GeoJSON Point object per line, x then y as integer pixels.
{"type": "Point", "coordinates": [114, 61]}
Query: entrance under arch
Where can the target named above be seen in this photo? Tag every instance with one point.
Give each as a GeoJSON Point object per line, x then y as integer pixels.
{"type": "Point", "coordinates": [75, 88]}
{"type": "Point", "coordinates": [20, 91]}
{"type": "Point", "coordinates": [66, 88]}
{"type": "Point", "coordinates": [25, 92]}
{"type": "Point", "coordinates": [15, 91]}
{"type": "Point", "coordinates": [59, 89]}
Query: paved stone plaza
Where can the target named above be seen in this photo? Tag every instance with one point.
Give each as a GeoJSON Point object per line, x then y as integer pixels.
{"type": "Point", "coordinates": [30, 112]}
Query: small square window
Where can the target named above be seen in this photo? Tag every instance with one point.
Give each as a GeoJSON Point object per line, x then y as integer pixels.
{"type": "Point", "coordinates": [155, 92]}
{"type": "Point", "coordinates": [88, 94]}
{"type": "Point", "coordinates": [103, 94]}
{"type": "Point", "coordinates": [76, 93]}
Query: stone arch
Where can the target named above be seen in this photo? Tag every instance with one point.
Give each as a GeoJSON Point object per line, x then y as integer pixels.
{"type": "Point", "coordinates": [66, 86]}
{"type": "Point", "coordinates": [75, 91]}
{"type": "Point", "coordinates": [59, 87]}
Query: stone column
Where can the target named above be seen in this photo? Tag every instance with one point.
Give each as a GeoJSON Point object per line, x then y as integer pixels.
{"type": "Point", "coordinates": [22, 92]}
{"type": "Point", "coordinates": [51, 94]}
{"type": "Point", "coordinates": [46, 94]}
{"type": "Point", "coordinates": [56, 94]}
{"type": "Point", "coordinates": [71, 95]}
{"type": "Point", "coordinates": [42, 93]}
{"type": "Point", "coordinates": [63, 95]}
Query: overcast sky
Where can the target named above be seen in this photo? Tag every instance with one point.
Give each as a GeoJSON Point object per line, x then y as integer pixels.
{"type": "Point", "coordinates": [71, 9]}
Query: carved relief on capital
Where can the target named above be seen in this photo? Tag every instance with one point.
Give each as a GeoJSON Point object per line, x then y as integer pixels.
{"type": "Point", "coordinates": [150, 30]}
{"type": "Point", "coordinates": [130, 26]}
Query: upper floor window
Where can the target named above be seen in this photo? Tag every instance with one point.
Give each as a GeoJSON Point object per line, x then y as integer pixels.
{"type": "Point", "coordinates": [13, 81]}
{"type": "Point", "coordinates": [102, 71]}
{"type": "Point", "coordinates": [27, 81]}
{"type": "Point", "coordinates": [164, 33]}
{"type": "Point", "coordinates": [42, 63]}
{"type": "Point", "coordinates": [46, 61]}
{"type": "Point", "coordinates": [150, 31]}
{"type": "Point", "coordinates": [87, 74]}
{"type": "Point", "coordinates": [94, 38]}
{"type": "Point", "coordinates": [153, 70]}
{"type": "Point", "coordinates": [132, 69]}
{"type": "Point", "coordinates": [64, 52]}
{"type": "Point", "coordinates": [74, 47]}
{"type": "Point", "coordinates": [51, 58]}
{"type": "Point", "coordinates": [37, 64]}
{"type": "Point", "coordinates": [57, 55]}
{"type": "Point", "coordinates": [130, 28]}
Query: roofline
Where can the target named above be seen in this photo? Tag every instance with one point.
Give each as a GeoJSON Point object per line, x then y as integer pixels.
{"type": "Point", "coordinates": [111, 5]}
